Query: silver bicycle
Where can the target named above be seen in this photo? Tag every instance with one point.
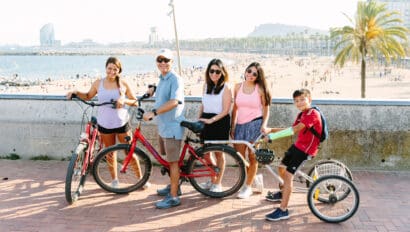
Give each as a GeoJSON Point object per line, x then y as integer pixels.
{"type": "Point", "coordinates": [331, 193]}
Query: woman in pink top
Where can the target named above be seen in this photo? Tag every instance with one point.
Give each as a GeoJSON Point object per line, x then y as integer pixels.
{"type": "Point", "coordinates": [249, 119]}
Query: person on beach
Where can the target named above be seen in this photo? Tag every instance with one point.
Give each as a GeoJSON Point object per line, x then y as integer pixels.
{"type": "Point", "coordinates": [306, 145]}
{"type": "Point", "coordinates": [250, 114]}
{"type": "Point", "coordinates": [168, 112]}
{"type": "Point", "coordinates": [214, 112]}
{"type": "Point", "coordinates": [113, 122]}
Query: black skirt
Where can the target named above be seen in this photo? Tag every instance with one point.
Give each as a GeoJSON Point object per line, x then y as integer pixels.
{"type": "Point", "coordinates": [218, 130]}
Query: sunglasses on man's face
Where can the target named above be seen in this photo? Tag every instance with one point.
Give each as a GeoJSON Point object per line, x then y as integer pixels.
{"type": "Point", "coordinates": [211, 71]}
{"type": "Point", "coordinates": [255, 74]}
{"type": "Point", "coordinates": [160, 60]}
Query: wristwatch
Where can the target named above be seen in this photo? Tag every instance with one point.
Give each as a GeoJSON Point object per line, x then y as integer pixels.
{"type": "Point", "coordinates": [154, 111]}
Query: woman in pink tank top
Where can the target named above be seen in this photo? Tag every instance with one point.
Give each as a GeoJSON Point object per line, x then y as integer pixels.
{"type": "Point", "coordinates": [249, 119]}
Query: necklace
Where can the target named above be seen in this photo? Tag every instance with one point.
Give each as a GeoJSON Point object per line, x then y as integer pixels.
{"type": "Point", "coordinates": [248, 89]}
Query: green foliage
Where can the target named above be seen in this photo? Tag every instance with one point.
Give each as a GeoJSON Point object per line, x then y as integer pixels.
{"type": "Point", "coordinates": [41, 157]}
{"type": "Point", "coordinates": [11, 156]}
{"type": "Point", "coordinates": [374, 32]}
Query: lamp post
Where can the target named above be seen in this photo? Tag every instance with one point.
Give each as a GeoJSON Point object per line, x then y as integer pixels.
{"type": "Point", "coordinates": [171, 4]}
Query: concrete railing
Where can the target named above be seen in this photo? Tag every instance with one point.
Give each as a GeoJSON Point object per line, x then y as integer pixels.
{"type": "Point", "coordinates": [371, 134]}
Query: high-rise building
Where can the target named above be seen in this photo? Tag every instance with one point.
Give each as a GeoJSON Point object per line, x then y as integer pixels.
{"type": "Point", "coordinates": [153, 36]}
{"type": "Point", "coordinates": [47, 36]}
{"type": "Point", "coordinates": [402, 6]}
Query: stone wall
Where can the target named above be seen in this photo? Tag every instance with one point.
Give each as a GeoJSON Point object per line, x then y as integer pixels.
{"type": "Point", "coordinates": [371, 134]}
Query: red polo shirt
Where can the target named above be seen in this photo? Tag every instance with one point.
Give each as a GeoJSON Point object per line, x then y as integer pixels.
{"type": "Point", "coordinates": [306, 140]}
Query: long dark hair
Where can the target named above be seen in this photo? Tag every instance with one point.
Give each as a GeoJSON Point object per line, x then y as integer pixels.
{"type": "Point", "coordinates": [116, 62]}
{"type": "Point", "coordinates": [261, 81]}
{"type": "Point", "coordinates": [211, 88]}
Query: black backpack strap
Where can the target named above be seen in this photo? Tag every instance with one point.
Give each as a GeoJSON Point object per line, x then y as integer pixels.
{"type": "Point", "coordinates": [314, 132]}
{"type": "Point", "coordinates": [311, 129]}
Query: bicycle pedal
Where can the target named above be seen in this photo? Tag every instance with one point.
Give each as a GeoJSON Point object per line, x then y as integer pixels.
{"type": "Point", "coordinates": [164, 171]}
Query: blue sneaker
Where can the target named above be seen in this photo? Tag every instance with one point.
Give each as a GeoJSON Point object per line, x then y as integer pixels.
{"type": "Point", "coordinates": [165, 191]}
{"type": "Point", "coordinates": [168, 202]}
{"type": "Point", "coordinates": [274, 197]}
{"type": "Point", "coordinates": [277, 215]}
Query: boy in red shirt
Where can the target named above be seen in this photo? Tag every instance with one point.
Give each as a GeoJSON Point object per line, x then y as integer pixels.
{"type": "Point", "coordinates": [306, 145]}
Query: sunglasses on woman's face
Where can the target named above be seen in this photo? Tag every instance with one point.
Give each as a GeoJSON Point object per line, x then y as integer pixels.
{"type": "Point", "coordinates": [255, 74]}
{"type": "Point", "coordinates": [160, 60]}
{"type": "Point", "coordinates": [211, 71]}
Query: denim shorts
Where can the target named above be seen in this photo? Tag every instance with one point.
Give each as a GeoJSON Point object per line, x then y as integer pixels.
{"type": "Point", "coordinates": [248, 131]}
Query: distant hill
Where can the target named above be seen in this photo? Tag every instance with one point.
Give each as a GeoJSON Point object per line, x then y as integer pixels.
{"type": "Point", "coordinates": [277, 29]}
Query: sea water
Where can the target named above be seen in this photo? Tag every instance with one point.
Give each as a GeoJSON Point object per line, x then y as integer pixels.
{"type": "Point", "coordinates": [31, 67]}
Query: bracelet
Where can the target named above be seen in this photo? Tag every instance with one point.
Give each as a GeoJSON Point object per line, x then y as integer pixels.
{"type": "Point", "coordinates": [155, 112]}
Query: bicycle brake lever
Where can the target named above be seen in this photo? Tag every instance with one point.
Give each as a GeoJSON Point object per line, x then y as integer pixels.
{"type": "Point", "coordinates": [114, 103]}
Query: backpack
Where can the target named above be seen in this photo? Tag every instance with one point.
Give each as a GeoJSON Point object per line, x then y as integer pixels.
{"type": "Point", "coordinates": [325, 132]}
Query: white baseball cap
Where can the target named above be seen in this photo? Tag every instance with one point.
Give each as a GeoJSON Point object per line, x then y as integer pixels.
{"type": "Point", "coordinates": [165, 52]}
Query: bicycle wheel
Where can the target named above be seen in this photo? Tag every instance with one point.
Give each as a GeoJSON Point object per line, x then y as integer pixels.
{"type": "Point", "coordinates": [329, 167]}
{"type": "Point", "coordinates": [74, 181]}
{"type": "Point", "coordinates": [231, 172]}
{"type": "Point", "coordinates": [109, 162]}
{"type": "Point", "coordinates": [338, 207]}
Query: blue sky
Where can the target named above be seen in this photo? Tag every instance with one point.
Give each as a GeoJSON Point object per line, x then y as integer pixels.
{"type": "Point", "coordinates": [130, 20]}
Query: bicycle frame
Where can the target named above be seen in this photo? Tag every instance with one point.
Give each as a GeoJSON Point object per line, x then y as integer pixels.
{"type": "Point", "coordinates": [251, 146]}
{"type": "Point", "coordinates": [89, 137]}
{"type": "Point", "coordinates": [138, 136]}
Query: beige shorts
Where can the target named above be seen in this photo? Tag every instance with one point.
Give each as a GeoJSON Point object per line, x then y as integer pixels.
{"type": "Point", "coordinates": [170, 147]}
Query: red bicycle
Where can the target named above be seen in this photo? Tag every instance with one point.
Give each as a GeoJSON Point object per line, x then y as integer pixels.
{"type": "Point", "coordinates": [194, 167]}
{"type": "Point", "coordinates": [83, 156]}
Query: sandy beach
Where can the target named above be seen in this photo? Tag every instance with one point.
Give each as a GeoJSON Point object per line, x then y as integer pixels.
{"type": "Point", "coordinates": [284, 75]}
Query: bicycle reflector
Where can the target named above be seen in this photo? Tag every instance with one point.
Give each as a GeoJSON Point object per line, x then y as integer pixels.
{"type": "Point", "coordinates": [264, 156]}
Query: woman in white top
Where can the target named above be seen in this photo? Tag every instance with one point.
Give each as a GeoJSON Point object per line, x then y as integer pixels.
{"type": "Point", "coordinates": [214, 112]}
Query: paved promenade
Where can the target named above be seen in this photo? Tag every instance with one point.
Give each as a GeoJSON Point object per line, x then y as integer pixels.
{"type": "Point", "coordinates": [32, 199]}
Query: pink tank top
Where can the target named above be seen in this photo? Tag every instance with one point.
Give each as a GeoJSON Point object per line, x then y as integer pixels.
{"type": "Point", "coordinates": [249, 106]}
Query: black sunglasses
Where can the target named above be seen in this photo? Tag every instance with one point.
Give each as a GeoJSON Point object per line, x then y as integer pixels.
{"type": "Point", "coordinates": [160, 60]}
{"type": "Point", "coordinates": [253, 73]}
{"type": "Point", "coordinates": [211, 71]}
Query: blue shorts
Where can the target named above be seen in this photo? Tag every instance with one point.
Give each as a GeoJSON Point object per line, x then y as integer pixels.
{"type": "Point", "coordinates": [248, 131]}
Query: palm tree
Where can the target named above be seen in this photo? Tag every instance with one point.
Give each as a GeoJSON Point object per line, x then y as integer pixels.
{"type": "Point", "coordinates": [376, 31]}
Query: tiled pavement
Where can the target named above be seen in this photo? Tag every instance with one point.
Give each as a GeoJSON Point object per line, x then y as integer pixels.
{"type": "Point", "coordinates": [32, 199]}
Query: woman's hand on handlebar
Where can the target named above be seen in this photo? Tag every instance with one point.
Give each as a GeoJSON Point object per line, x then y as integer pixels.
{"type": "Point", "coordinates": [71, 94]}
{"type": "Point", "coordinates": [120, 102]}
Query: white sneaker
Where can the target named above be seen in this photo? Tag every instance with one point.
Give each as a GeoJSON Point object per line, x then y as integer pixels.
{"type": "Point", "coordinates": [245, 192]}
{"type": "Point", "coordinates": [206, 185]}
{"type": "Point", "coordinates": [115, 183]}
{"type": "Point", "coordinates": [146, 185]}
{"type": "Point", "coordinates": [216, 188]}
{"type": "Point", "coordinates": [258, 181]}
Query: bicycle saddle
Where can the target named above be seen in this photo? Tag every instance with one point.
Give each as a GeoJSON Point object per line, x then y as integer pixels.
{"type": "Point", "coordinates": [195, 127]}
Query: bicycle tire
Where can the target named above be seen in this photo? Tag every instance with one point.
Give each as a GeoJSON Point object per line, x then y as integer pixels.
{"type": "Point", "coordinates": [234, 173]}
{"type": "Point", "coordinates": [336, 209]}
{"type": "Point", "coordinates": [128, 181]}
{"type": "Point", "coordinates": [74, 181]}
{"type": "Point", "coordinates": [329, 167]}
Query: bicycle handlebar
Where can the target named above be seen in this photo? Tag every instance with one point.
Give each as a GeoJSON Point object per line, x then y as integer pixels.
{"type": "Point", "coordinates": [92, 103]}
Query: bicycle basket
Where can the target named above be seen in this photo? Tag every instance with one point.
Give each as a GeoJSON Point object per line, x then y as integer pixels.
{"type": "Point", "coordinates": [264, 156]}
